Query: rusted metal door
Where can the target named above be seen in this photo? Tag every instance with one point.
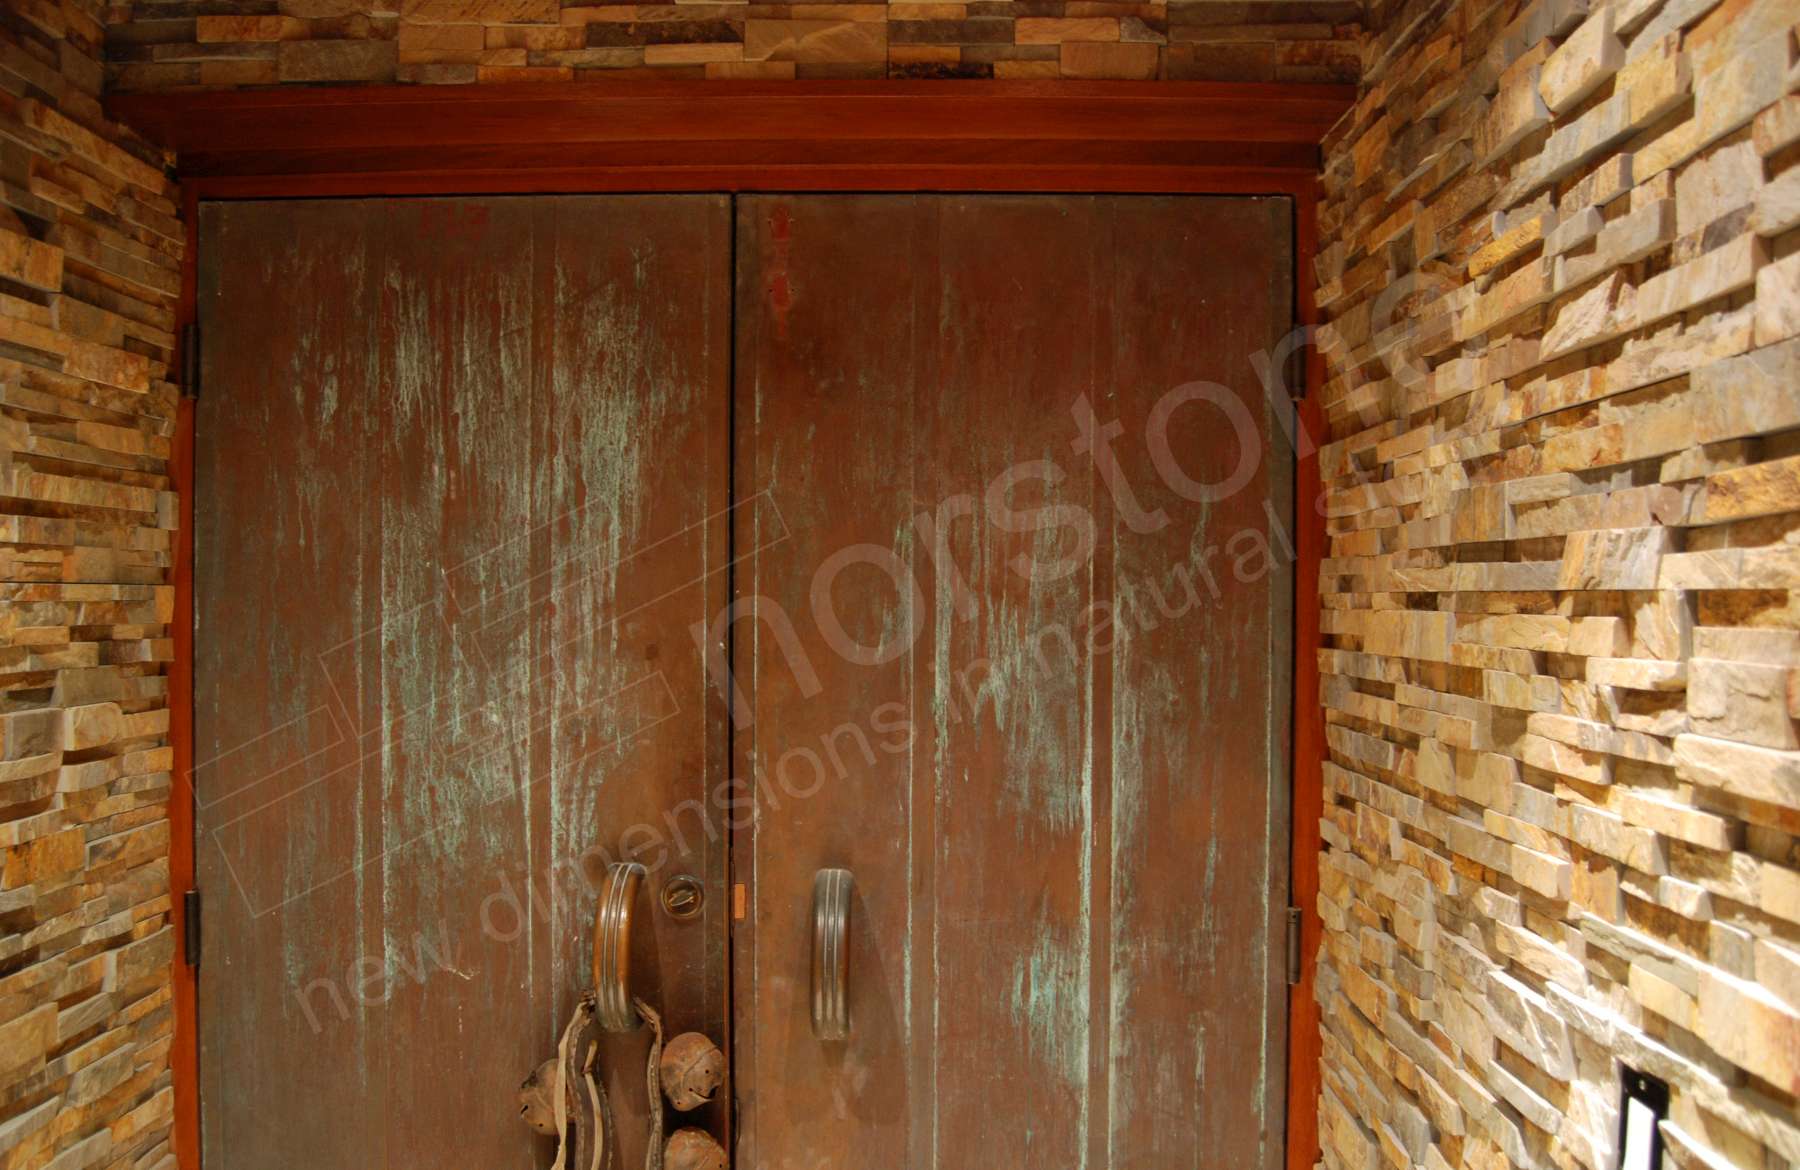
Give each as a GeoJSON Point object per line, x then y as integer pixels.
{"type": "Point", "coordinates": [967, 587]}
{"type": "Point", "coordinates": [462, 490]}
{"type": "Point", "coordinates": [1015, 665]}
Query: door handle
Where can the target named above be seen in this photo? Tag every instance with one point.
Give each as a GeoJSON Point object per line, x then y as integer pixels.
{"type": "Point", "coordinates": [612, 947]}
{"type": "Point", "coordinates": [831, 954]}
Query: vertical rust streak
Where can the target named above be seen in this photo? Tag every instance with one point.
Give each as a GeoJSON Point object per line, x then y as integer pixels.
{"type": "Point", "coordinates": [1101, 740]}
{"type": "Point", "coordinates": [633, 499]}
{"type": "Point", "coordinates": [721, 569]}
{"type": "Point", "coordinates": [744, 1042]}
{"type": "Point", "coordinates": [549, 997]}
{"type": "Point", "coordinates": [1012, 828]}
{"type": "Point", "coordinates": [456, 463]}
{"type": "Point", "coordinates": [819, 409]}
{"type": "Point", "coordinates": [922, 1036]}
{"type": "Point", "coordinates": [370, 421]}
{"type": "Point", "coordinates": [1197, 805]}
{"type": "Point", "coordinates": [282, 796]}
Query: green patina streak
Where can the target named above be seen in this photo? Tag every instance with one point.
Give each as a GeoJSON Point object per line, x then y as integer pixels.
{"type": "Point", "coordinates": [1050, 996]}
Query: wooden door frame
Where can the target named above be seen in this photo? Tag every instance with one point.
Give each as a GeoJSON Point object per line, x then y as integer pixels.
{"type": "Point", "coordinates": [1178, 138]}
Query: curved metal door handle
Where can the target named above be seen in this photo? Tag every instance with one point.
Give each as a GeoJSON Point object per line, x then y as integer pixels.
{"type": "Point", "coordinates": [831, 954]}
{"type": "Point", "coordinates": [612, 947]}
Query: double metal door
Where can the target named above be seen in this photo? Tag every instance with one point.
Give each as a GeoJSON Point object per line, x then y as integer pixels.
{"type": "Point", "coordinates": [900, 581]}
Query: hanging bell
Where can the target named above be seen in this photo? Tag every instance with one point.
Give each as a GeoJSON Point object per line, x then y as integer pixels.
{"type": "Point", "coordinates": [692, 1069]}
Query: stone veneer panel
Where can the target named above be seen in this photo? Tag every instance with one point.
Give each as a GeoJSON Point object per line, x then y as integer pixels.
{"type": "Point", "coordinates": [1562, 592]}
{"type": "Point", "coordinates": [89, 273]}
{"type": "Point", "coordinates": [169, 44]}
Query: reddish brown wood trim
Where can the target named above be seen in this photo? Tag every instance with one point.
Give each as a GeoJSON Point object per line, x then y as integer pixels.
{"type": "Point", "coordinates": [830, 113]}
{"type": "Point", "coordinates": [1304, 1039]}
{"type": "Point", "coordinates": [184, 1056]}
{"type": "Point", "coordinates": [749, 156]}
{"type": "Point", "coordinates": [1054, 136]}
{"type": "Point", "coordinates": [1119, 180]}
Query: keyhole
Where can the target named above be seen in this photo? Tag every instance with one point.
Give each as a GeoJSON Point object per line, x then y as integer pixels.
{"type": "Point", "coordinates": [682, 897]}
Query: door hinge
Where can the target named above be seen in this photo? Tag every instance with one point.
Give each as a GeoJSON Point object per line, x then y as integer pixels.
{"type": "Point", "coordinates": [1293, 946]}
{"type": "Point", "coordinates": [190, 359]}
{"type": "Point", "coordinates": [190, 922]}
{"type": "Point", "coordinates": [1296, 374]}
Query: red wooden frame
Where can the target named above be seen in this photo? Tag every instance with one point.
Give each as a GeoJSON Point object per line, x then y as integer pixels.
{"type": "Point", "coordinates": [1150, 138]}
{"type": "Point", "coordinates": [733, 136]}
{"type": "Point", "coordinates": [184, 1057]}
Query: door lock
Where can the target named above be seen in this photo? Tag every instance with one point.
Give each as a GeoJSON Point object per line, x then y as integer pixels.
{"type": "Point", "coordinates": [682, 897]}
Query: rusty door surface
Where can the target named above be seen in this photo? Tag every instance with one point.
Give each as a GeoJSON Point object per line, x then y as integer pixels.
{"type": "Point", "coordinates": [1016, 666]}
{"type": "Point", "coordinates": [462, 491]}
{"type": "Point", "coordinates": [949, 549]}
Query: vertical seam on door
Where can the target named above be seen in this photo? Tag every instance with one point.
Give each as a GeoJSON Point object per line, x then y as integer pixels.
{"type": "Point", "coordinates": [729, 962]}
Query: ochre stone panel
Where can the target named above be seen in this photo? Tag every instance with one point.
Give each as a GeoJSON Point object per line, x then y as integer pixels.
{"type": "Point", "coordinates": [1562, 664]}
{"type": "Point", "coordinates": [175, 44]}
{"type": "Point", "coordinates": [90, 261]}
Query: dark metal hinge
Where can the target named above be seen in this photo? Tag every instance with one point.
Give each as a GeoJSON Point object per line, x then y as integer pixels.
{"type": "Point", "coordinates": [1293, 946]}
{"type": "Point", "coordinates": [190, 921]}
{"type": "Point", "coordinates": [190, 360]}
{"type": "Point", "coordinates": [1296, 374]}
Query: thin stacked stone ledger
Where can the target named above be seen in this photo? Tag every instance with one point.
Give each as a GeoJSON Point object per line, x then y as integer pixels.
{"type": "Point", "coordinates": [90, 269]}
{"type": "Point", "coordinates": [1562, 663]}
{"type": "Point", "coordinates": [176, 44]}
